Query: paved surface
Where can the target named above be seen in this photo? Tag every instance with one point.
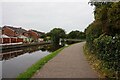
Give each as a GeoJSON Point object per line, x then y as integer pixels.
{"type": "Point", "coordinates": [69, 63]}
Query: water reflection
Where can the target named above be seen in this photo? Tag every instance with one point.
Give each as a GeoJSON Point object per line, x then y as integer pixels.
{"type": "Point", "coordinates": [11, 53]}
{"type": "Point", "coordinates": [51, 48]}
{"type": "Point", "coordinates": [18, 60]}
{"type": "Point", "coordinates": [0, 70]}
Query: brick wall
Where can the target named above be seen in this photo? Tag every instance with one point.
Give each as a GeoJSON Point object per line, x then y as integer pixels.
{"type": "Point", "coordinates": [33, 34]}
{"type": "Point", "coordinates": [8, 32]}
{"type": "Point", "coordinates": [10, 40]}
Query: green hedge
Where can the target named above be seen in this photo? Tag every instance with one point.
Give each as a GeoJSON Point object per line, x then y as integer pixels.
{"type": "Point", "coordinates": [94, 30]}
{"type": "Point", "coordinates": [103, 36]}
{"type": "Point", "coordinates": [108, 49]}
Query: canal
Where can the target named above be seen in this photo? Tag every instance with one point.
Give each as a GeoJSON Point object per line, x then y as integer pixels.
{"type": "Point", "coordinates": [18, 60]}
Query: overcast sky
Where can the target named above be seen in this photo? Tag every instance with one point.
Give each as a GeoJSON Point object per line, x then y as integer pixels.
{"type": "Point", "coordinates": [44, 16]}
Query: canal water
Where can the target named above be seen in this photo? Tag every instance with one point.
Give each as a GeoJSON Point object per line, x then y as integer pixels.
{"type": "Point", "coordinates": [17, 61]}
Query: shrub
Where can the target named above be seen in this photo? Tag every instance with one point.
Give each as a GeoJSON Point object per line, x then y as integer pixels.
{"type": "Point", "coordinates": [106, 46]}
{"type": "Point", "coordinates": [108, 50]}
{"type": "Point", "coordinates": [114, 15]}
{"type": "Point", "coordinates": [93, 31]}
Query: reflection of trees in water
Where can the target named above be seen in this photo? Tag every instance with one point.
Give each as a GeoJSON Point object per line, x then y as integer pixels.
{"type": "Point", "coordinates": [9, 55]}
{"type": "Point", "coordinates": [20, 51]}
{"type": "Point", "coordinates": [50, 48]}
{"type": "Point", "coordinates": [32, 49]}
{"type": "Point", "coordinates": [56, 47]}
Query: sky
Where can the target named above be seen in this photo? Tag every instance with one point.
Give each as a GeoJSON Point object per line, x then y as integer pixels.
{"type": "Point", "coordinates": [46, 15]}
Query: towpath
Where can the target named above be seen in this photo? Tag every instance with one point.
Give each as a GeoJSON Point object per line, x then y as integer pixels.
{"type": "Point", "coordinates": [69, 63]}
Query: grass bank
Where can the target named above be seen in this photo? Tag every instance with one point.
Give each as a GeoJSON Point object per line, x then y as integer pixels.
{"type": "Point", "coordinates": [97, 64]}
{"type": "Point", "coordinates": [38, 65]}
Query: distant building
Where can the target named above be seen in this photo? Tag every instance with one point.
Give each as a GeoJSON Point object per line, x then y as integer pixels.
{"type": "Point", "coordinates": [12, 31]}
{"type": "Point", "coordinates": [25, 39]}
{"type": "Point", "coordinates": [4, 39]}
{"type": "Point", "coordinates": [35, 34]}
{"type": "Point", "coordinates": [0, 30]}
{"type": "Point", "coordinates": [39, 33]}
{"type": "Point", "coordinates": [19, 35]}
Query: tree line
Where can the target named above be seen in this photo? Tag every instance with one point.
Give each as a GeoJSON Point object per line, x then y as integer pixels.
{"type": "Point", "coordinates": [103, 36]}
{"type": "Point", "coordinates": [58, 33]}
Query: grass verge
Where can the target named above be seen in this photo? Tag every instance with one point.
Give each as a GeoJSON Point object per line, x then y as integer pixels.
{"type": "Point", "coordinates": [38, 65]}
{"type": "Point", "coordinates": [97, 64]}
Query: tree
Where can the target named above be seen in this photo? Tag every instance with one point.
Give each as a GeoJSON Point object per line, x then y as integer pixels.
{"type": "Point", "coordinates": [109, 14]}
{"type": "Point", "coordinates": [73, 34]}
{"type": "Point", "coordinates": [114, 18]}
{"type": "Point", "coordinates": [76, 35]}
{"type": "Point", "coordinates": [82, 35]}
{"type": "Point", "coordinates": [56, 34]}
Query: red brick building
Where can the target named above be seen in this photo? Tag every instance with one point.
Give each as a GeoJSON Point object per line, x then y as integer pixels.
{"type": "Point", "coordinates": [15, 33]}
{"type": "Point", "coordinates": [35, 34]}
{"type": "Point", "coordinates": [12, 31]}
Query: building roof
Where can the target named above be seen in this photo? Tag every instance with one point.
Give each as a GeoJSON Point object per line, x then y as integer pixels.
{"type": "Point", "coordinates": [38, 32]}
{"type": "Point", "coordinates": [17, 30]}
{"type": "Point", "coordinates": [0, 30]}
{"type": "Point", "coordinates": [3, 36]}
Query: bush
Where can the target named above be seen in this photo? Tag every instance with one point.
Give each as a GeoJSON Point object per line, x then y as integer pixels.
{"type": "Point", "coordinates": [93, 31]}
{"type": "Point", "coordinates": [106, 46]}
{"type": "Point", "coordinates": [107, 49]}
{"type": "Point", "coordinates": [114, 15]}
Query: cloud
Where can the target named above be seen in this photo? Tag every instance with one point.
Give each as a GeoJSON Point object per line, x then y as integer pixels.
{"type": "Point", "coordinates": [44, 16]}
{"type": "Point", "coordinates": [0, 14]}
{"type": "Point", "coordinates": [45, 0]}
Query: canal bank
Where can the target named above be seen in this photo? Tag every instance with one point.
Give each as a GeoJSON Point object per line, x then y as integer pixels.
{"type": "Point", "coordinates": [4, 47]}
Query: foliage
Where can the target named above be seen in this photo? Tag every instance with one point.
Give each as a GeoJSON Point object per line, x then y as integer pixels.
{"type": "Point", "coordinates": [76, 35]}
{"type": "Point", "coordinates": [46, 37]}
{"type": "Point", "coordinates": [82, 35]}
{"type": "Point", "coordinates": [114, 17]}
{"type": "Point", "coordinates": [109, 14]}
{"type": "Point", "coordinates": [97, 64]}
{"type": "Point", "coordinates": [73, 35]}
{"type": "Point", "coordinates": [43, 36]}
{"type": "Point", "coordinates": [108, 50]}
{"type": "Point", "coordinates": [103, 35]}
{"type": "Point", "coordinates": [56, 34]}
{"type": "Point", "coordinates": [38, 65]}
{"type": "Point", "coordinates": [93, 31]}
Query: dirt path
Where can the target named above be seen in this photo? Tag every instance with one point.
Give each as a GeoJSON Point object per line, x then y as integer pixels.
{"type": "Point", "coordinates": [69, 63]}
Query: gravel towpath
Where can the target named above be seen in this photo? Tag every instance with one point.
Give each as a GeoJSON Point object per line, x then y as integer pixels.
{"type": "Point", "coordinates": [69, 63]}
